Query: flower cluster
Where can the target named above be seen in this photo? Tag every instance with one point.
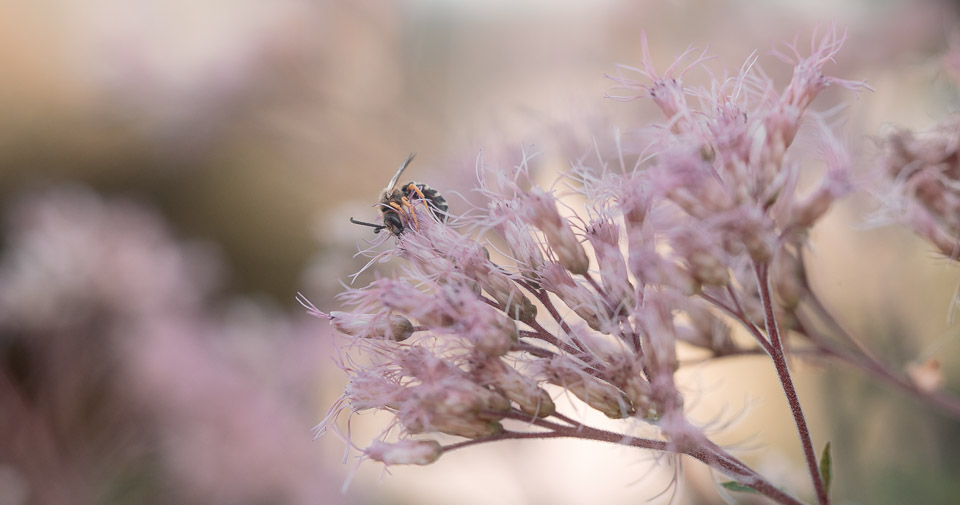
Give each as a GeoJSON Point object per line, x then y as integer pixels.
{"type": "Point", "coordinates": [924, 172]}
{"type": "Point", "coordinates": [495, 312]}
{"type": "Point", "coordinates": [118, 365]}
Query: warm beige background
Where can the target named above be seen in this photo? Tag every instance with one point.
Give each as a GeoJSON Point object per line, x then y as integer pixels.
{"type": "Point", "coordinates": [262, 126]}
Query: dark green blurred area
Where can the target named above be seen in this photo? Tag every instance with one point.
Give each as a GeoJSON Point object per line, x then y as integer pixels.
{"type": "Point", "coordinates": [253, 218]}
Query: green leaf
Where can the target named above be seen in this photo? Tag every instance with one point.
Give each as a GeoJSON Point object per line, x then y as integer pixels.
{"type": "Point", "coordinates": [826, 467]}
{"type": "Point", "coordinates": [735, 486]}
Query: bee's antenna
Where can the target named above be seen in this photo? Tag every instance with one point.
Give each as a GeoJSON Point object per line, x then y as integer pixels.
{"type": "Point", "coordinates": [396, 176]}
{"type": "Point", "coordinates": [376, 227]}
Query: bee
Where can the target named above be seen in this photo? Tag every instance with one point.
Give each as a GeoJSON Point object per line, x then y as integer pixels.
{"type": "Point", "coordinates": [395, 203]}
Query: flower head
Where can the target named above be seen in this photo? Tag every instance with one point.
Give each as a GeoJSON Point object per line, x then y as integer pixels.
{"type": "Point", "coordinates": [524, 296]}
{"type": "Point", "coordinates": [923, 175]}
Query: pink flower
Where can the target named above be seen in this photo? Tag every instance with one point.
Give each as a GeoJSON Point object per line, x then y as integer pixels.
{"type": "Point", "coordinates": [923, 177]}
{"type": "Point", "coordinates": [666, 89]}
{"type": "Point", "coordinates": [525, 297]}
{"type": "Point", "coordinates": [124, 367]}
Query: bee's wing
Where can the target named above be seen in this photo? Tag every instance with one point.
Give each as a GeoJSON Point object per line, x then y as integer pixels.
{"type": "Point", "coordinates": [396, 176]}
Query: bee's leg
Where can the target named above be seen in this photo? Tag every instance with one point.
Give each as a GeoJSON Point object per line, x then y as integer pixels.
{"type": "Point", "coordinates": [413, 187]}
{"type": "Point", "coordinates": [406, 203]}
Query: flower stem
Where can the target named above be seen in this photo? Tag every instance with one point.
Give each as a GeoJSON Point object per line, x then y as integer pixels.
{"type": "Point", "coordinates": [706, 452]}
{"type": "Point", "coordinates": [947, 403]}
{"type": "Point", "coordinates": [783, 372]}
{"type": "Point", "coordinates": [738, 314]}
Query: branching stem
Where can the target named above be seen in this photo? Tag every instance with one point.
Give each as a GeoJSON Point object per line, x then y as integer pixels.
{"type": "Point", "coordinates": [706, 452]}
{"type": "Point", "coordinates": [762, 271]}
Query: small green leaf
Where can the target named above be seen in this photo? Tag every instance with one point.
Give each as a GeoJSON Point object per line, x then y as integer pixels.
{"type": "Point", "coordinates": [735, 486]}
{"type": "Point", "coordinates": [826, 467]}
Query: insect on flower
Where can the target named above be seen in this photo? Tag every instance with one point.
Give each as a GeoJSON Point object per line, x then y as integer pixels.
{"type": "Point", "coordinates": [395, 203]}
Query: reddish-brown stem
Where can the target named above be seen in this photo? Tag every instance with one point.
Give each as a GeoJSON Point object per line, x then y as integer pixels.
{"type": "Point", "coordinates": [596, 286]}
{"type": "Point", "coordinates": [532, 349]}
{"type": "Point", "coordinates": [741, 352]}
{"type": "Point", "coordinates": [573, 348]}
{"type": "Point", "coordinates": [541, 333]}
{"type": "Point", "coordinates": [32, 446]}
{"type": "Point", "coordinates": [607, 302]}
{"type": "Point", "coordinates": [708, 453]}
{"type": "Point", "coordinates": [783, 372]}
{"type": "Point", "coordinates": [506, 435]}
{"type": "Point", "coordinates": [544, 299]}
{"type": "Point", "coordinates": [947, 403]}
{"type": "Point", "coordinates": [826, 348]}
{"type": "Point", "coordinates": [866, 360]}
{"type": "Point", "coordinates": [740, 316]}
{"type": "Point", "coordinates": [828, 318]}
{"type": "Point", "coordinates": [566, 419]}
{"type": "Point", "coordinates": [735, 298]}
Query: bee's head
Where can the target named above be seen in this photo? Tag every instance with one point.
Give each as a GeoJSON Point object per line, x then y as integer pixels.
{"type": "Point", "coordinates": [392, 222]}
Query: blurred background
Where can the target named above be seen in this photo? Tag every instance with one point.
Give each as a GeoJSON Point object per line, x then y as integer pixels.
{"type": "Point", "coordinates": [173, 172]}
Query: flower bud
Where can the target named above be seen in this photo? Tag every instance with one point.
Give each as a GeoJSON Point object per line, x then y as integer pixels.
{"type": "Point", "coordinates": [788, 279]}
{"type": "Point", "coordinates": [708, 269]}
{"type": "Point", "coordinates": [604, 235]}
{"type": "Point", "coordinates": [639, 392]}
{"type": "Point", "coordinates": [370, 391]}
{"type": "Point", "coordinates": [465, 398]}
{"type": "Point", "coordinates": [927, 376]}
{"type": "Point", "coordinates": [446, 399]}
{"type": "Point", "coordinates": [405, 452]}
{"type": "Point", "coordinates": [596, 393]}
{"type": "Point", "coordinates": [491, 332]}
{"type": "Point", "coordinates": [806, 213]}
{"type": "Point", "coordinates": [515, 304]}
{"type": "Point", "coordinates": [835, 184]}
{"type": "Point", "coordinates": [460, 426]}
{"type": "Point", "coordinates": [578, 297]}
{"type": "Point", "coordinates": [659, 336]}
{"type": "Point", "coordinates": [473, 260]}
{"type": "Point", "coordinates": [531, 399]}
{"type": "Point", "coordinates": [926, 225]}
{"type": "Point", "coordinates": [705, 330]}
{"type": "Point", "coordinates": [390, 327]}
{"type": "Point", "coordinates": [650, 268]}
{"type": "Point", "coordinates": [496, 337]}
{"type": "Point", "coordinates": [634, 201]}
{"type": "Point", "coordinates": [524, 248]}
{"type": "Point", "coordinates": [755, 231]}
{"type": "Point", "coordinates": [625, 372]}
{"type": "Point", "coordinates": [688, 181]}
{"type": "Point", "coordinates": [542, 213]}
{"type": "Point", "coordinates": [705, 259]}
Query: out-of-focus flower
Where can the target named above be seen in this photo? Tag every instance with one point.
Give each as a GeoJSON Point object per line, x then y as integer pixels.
{"type": "Point", "coordinates": [405, 452]}
{"type": "Point", "coordinates": [923, 173]}
{"type": "Point", "coordinates": [119, 377]}
{"type": "Point", "coordinates": [927, 376]}
{"type": "Point", "coordinates": [226, 433]}
{"type": "Point", "coordinates": [951, 59]}
{"type": "Point", "coordinates": [73, 256]}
